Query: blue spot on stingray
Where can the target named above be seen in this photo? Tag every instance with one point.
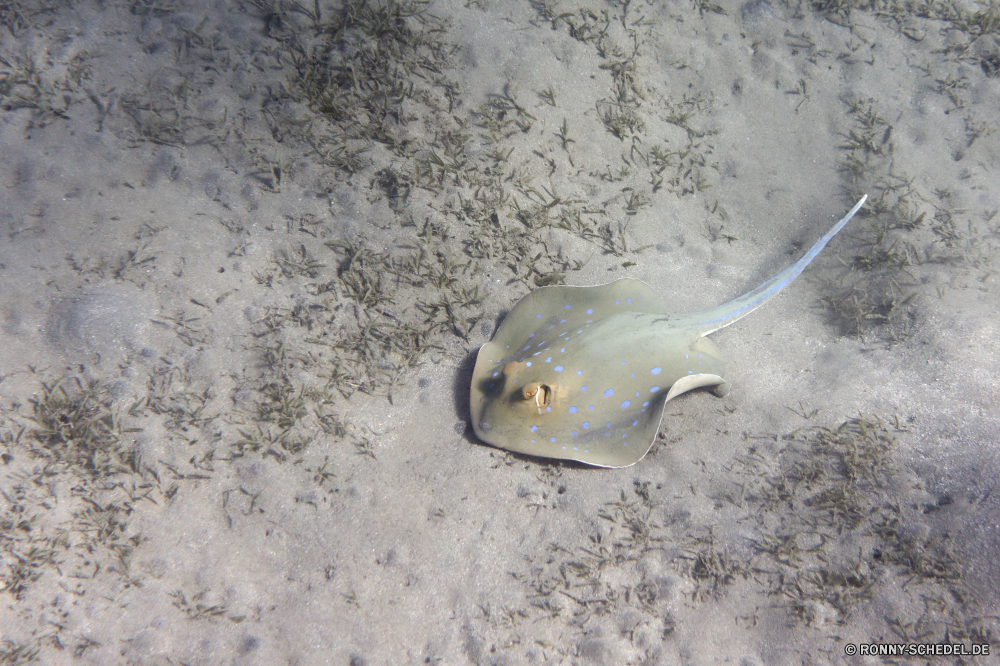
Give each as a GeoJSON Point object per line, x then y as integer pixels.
{"type": "Point", "coordinates": [583, 388]}
{"type": "Point", "coordinates": [573, 433]}
{"type": "Point", "coordinates": [686, 356]}
{"type": "Point", "coordinates": [529, 364]}
{"type": "Point", "coordinates": [626, 404]}
{"type": "Point", "coordinates": [539, 316]}
{"type": "Point", "coordinates": [559, 368]}
{"type": "Point", "coordinates": [632, 375]}
{"type": "Point", "coordinates": [568, 307]}
{"type": "Point", "coordinates": [548, 409]}
{"type": "Point", "coordinates": [608, 424]}
{"type": "Point", "coordinates": [637, 394]}
{"type": "Point", "coordinates": [496, 374]}
{"type": "Point", "coordinates": [561, 321]}
{"type": "Point", "coordinates": [579, 372]}
{"type": "Point", "coordinates": [654, 389]}
{"type": "Point", "coordinates": [531, 336]}
{"type": "Point", "coordinates": [590, 407]}
{"type": "Point", "coordinates": [690, 372]}
{"type": "Point", "coordinates": [635, 423]}
{"type": "Point", "coordinates": [609, 393]}
{"type": "Point", "coordinates": [548, 360]}
{"type": "Point", "coordinates": [534, 428]}
{"type": "Point", "coordinates": [572, 410]}
{"type": "Point", "coordinates": [552, 439]}
{"type": "Point", "coordinates": [590, 311]}
{"type": "Point", "coordinates": [562, 351]}
{"type": "Point", "coordinates": [655, 371]}
{"type": "Point", "coordinates": [628, 300]}
{"type": "Point", "coordinates": [645, 404]}
{"type": "Point", "coordinates": [585, 424]}
{"type": "Point", "coordinates": [699, 355]}
{"type": "Point", "coordinates": [623, 363]}
{"type": "Point", "coordinates": [624, 435]}
{"type": "Point", "coordinates": [618, 302]}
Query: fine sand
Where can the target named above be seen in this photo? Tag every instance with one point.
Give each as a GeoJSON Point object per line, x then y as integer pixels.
{"type": "Point", "coordinates": [249, 251]}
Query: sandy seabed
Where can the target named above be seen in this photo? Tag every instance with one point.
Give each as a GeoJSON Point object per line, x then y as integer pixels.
{"type": "Point", "coordinates": [250, 249]}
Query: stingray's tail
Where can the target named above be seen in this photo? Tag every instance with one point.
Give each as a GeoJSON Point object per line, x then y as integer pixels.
{"type": "Point", "coordinates": [724, 315]}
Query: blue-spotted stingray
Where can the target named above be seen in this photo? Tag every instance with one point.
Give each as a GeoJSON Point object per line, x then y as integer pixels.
{"type": "Point", "coordinates": [583, 373]}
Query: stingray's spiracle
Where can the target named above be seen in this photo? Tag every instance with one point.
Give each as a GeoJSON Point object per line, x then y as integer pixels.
{"type": "Point", "coordinates": [542, 393]}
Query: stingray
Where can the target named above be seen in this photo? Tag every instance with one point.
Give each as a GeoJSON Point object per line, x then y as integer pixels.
{"type": "Point", "coordinates": [583, 373]}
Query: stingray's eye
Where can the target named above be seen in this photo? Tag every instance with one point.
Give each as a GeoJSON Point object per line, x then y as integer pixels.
{"type": "Point", "coordinates": [542, 393]}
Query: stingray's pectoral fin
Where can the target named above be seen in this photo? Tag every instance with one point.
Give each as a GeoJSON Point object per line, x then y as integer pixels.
{"type": "Point", "coordinates": [720, 390]}
{"type": "Point", "coordinates": [716, 384]}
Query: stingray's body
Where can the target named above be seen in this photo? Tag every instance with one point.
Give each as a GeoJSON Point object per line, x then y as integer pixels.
{"type": "Point", "coordinates": [583, 373]}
